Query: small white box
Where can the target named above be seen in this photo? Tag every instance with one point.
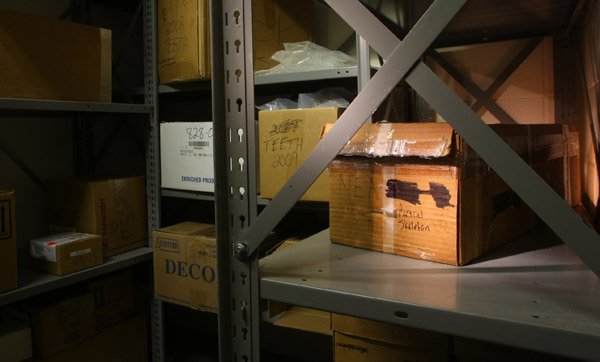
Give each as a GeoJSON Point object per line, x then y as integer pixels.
{"type": "Point", "coordinates": [186, 152]}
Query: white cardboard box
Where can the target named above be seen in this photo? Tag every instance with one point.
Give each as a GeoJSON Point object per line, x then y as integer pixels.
{"type": "Point", "coordinates": [186, 151]}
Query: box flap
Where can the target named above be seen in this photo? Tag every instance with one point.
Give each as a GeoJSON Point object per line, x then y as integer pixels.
{"type": "Point", "coordinates": [306, 319]}
{"type": "Point", "coordinates": [399, 140]}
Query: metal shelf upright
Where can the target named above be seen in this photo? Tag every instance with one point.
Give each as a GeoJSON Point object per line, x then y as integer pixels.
{"type": "Point", "coordinates": [285, 277]}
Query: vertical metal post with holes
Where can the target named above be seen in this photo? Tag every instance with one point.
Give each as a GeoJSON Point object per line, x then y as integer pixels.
{"type": "Point", "coordinates": [152, 159]}
{"type": "Point", "coordinates": [235, 190]}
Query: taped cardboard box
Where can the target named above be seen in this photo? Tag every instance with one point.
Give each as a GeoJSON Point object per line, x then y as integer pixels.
{"type": "Point", "coordinates": [285, 139]}
{"type": "Point", "coordinates": [125, 341]}
{"type": "Point", "coordinates": [8, 241]}
{"type": "Point", "coordinates": [185, 265]}
{"type": "Point", "coordinates": [357, 339]}
{"type": "Point", "coordinates": [423, 193]}
{"type": "Point", "coordinates": [186, 153]}
{"type": "Point", "coordinates": [66, 253]}
{"type": "Point", "coordinates": [471, 350]}
{"type": "Point", "coordinates": [114, 208]}
{"type": "Point", "coordinates": [183, 40]}
{"type": "Point", "coordinates": [45, 58]}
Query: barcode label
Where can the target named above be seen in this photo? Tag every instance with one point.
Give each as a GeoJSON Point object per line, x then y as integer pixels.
{"type": "Point", "coordinates": [198, 143]}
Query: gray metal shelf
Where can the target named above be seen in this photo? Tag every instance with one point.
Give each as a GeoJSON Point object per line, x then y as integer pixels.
{"type": "Point", "coordinates": [33, 282]}
{"type": "Point", "coordinates": [191, 195]}
{"type": "Point", "coordinates": [18, 104]}
{"type": "Point", "coordinates": [533, 293]}
{"type": "Point", "coordinates": [347, 72]}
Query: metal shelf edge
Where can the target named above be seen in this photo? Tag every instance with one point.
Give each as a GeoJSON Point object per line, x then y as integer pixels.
{"type": "Point", "coordinates": [37, 282]}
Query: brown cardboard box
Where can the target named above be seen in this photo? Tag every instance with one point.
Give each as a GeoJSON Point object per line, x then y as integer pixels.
{"type": "Point", "coordinates": [348, 348]}
{"type": "Point", "coordinates": [8, 242]}
{"type": "Point", "coordinates": [113, 208]}
{"type": "Point", "coordinates": [285, 139]}
{"type": "Point", "coordinates": [183, 40]}
{"type": "Point", "coordinates": [15, 342]}
{"type": "Point", "coordinates": [46, 58]}
{"type": "Point", "coordinates": [275, 22]}
{"type": "Point", "coordinates": [185, 265]}
{"type": "Point", "coordinates": [306, 319]}
{"type": "Point", "coordinates": [449, 208]}
{"type": "Point", "coordinates": [527, 95]}
{"type": "Point", "coordinates": [60, 322]}
{"type": "Point", "coordinates": [471, 350]}
{"type": "Point", "coordinates": [125, 341]}
{"type": "Point", "coordinates": [66, 253]}
{"type": "Point", "coordinates": [358, 339]}
{"type": "Point", "coordinates": [113, 298]}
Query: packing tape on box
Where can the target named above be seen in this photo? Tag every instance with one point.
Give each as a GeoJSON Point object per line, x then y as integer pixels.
{"type": "Point", "coordinates": [389, 215]}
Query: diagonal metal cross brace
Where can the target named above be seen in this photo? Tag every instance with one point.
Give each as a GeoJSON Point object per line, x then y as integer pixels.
{"type": "Point", "coordinates": [540, 197]}
{"type": "Point", "coordinates": [401, 56]}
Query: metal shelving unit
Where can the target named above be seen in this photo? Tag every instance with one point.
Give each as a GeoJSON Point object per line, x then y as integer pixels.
{"type": "Point", "coordinates": [541, 298]}
{"type": "Point", "coordinates": [317, 75]}
{"type": "Point", "coordinates": [32, 282]}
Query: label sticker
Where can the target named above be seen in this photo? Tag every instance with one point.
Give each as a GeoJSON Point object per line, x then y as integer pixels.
{"type": "Point", "coordinates": [80, 252]}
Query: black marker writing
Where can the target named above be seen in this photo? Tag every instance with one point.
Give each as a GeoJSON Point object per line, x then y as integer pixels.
{"type": "Point", "coordinates": [410, 192]}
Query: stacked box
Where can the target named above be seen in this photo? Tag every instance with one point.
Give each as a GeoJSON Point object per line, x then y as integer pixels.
{"type": "Point", "coordinates": [420, 191]}
{"type": "Point", "coordinates": [114, 208]}
{"type": "Point", "coordinates": [66, 253]}
{"type": "Point", "coordinates": [185, 259]}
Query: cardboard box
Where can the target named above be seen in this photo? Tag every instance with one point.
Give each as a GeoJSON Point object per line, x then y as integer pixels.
{"type": "Point", "coordinates": [125, 341]}
{"type": "Point", "coordinates": [15, 342]}
{"type": "Point", "coordinates": [285, 139]}
{"type": "Point", "coordinates": [306, 319]}
{"type": "Point", "coordinates": [113, 298]}
{"type": "Point", "coordinates": [66, 253]}
{"type": "Point", "coordinates": [114, 208]}
{"type": "Point", "coordinates": [186, 153]}
{"type": "Point", "coordinates": [183, 40]}
{"type": "Point", "coordinates": [185, 265]}
{"type": "Point", "coordinates": [45, 58]}
{"type": "Point", "coordinates": [527, 95]}
{"type": "Point", "coordinates": [358, 339]}
{"type": "Point", "coordinates": [450, 207]}
{"type": "Point", "coordinates": [275, 22]}
{"type": "Point", "coordinates": [8, 241]}
{"type": "Point", "coordinates": [471, 350]}
{"type": "Point", "coordinates": [59, 323]}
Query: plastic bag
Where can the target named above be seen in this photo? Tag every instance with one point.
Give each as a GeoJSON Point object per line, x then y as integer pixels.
{"type": "Point", "coordinates": [306, 56]}
{"type": "Point", "coordinates": [327, 97]}
{"type": "Point", "coordinates": [278, 103]}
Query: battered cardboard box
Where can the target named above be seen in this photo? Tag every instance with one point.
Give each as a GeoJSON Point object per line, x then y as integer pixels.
{"type": "Point", "coordinates": [114, 208]}
{"type": "Point", "coordinates": [66, 253]}
{"type": "Point", "coordinates": [46, 58]}
{"type": "Point", "coordinates": [8, 242]}
{"type": "Point", "coordinates": [423, 193]}
{"type": "Point", "coordinates": [185, 265]}
{"type": "Point", "coordinates": [285, 139]}
{"type": "Point", "coordinates": [186, 154]}
{"type": "Point", "coordinates": [363, 340]}
{"type": "Point", "coordinates": [183, 40]}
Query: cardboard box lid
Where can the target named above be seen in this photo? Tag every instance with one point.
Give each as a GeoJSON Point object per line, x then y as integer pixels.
{"type": "Point", "coordinates": [400, 140]}
{"type": "Point", "coordinates": [306, 319]}
{"type": "Point", "coordinates": [190, 228]}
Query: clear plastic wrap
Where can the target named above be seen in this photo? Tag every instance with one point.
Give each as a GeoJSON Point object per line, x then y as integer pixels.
{"type": "Point", "coordinates": [278, 103]}
{"type": "Point", "coordinates": [326, 97]}
{"type": "Point", "coordinates": [306, 56]}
